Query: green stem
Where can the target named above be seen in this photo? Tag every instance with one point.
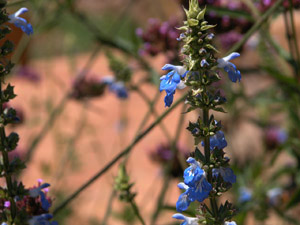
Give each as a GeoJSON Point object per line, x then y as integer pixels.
{"type": "Point", "coordinates": [290, 42]}
{"type": "Point", "coordinates": [213, 201]}
{"type": "Point", "coordinates": [153, 111]}
{"type": "Point", "coordinates": [58, 110]}
{"type": "Point", "coordinates": [256, 26]}
{"type": "Point", "coordinates": [206, 138]}
{"type": "Point", "coordinates": [8, 178]}
{"type": "Point", "coordinates": [128, 149]}
{"type": "Point", "coordinates": [136, 211]}
{"type": "Point", "coordinates": [50, 122]}
{"type": "Point", "coordinates": [294, 37]}
{"type": "Point", "coordinates": [109, 207]}
{"type": "Point", "coordinates": [160, 200]}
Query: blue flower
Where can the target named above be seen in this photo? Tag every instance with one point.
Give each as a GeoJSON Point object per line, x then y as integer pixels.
{"type": "Point", "coordinates": [21, 22]}
{"type": "Point", "coordinates": [187, 220]}
{"type": "Point", "coordinates": [217, 141]}
{"type": "Point", "coordinates": [229, 67]}
{"type": "Point", "coordinates": [3, 223]}
{"type": "Point", "coordinates": [193, 172]}
{"type": "Point", "coordinates": [226, 173]}
{"type": "Point", "coordinates": [42, 220]}
{"type": "Point", "coordinates": [245, 195]}
{"type": "Point", "coordinates": [116, 87]}
{"type": "Point", "coordinates": [171, 81]}
{"type": "Point", "coordinates": [274, 195]}
{"type": "Point", "coordinates": [200, 190]}
{"type": "Point", "coordinates": [230, 223]}
{"type": "Point", "coordinates": [184, 200]}
{"type": "Point", "coordinates": [35, 192]}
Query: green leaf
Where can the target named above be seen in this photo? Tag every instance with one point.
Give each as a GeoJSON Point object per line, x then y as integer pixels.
{"type": "Point", "coordinates": [8, 93]}
{"type": "Point", "coordinates": [199, 155]}
{"type": "Point", "coordinates": [193, 22]}
{"type": "Point", "coordinates": [220, 11]}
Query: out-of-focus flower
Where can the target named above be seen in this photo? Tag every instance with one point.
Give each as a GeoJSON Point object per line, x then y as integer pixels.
{"type": "Point", "coordinates": [7, 204]}
{"type": "Point", "coordinates": [160, 38]}
{"type": "Point", "coordinates": [171, 81]}
{"type": "Point", "coordinates": [229, 38]}
{"type": "Point", "coordinates": [274, 195]}
{"type": "Point", "coordinates": [274, 137]}
{"type": "Point", "coordinates": [117, 87]}
{"type": "Point", "coordinates": [27, 73]}
{"type": "Point", "coordinates": [230, 223]}
{"type": "Point", "coordinates": [245, 195]}
{"type": "Point", "coordinates": [21, 22]}
{"type": "Point", "coordinates": [84, 87]}
{"type": "Point", "coordinates": [163, 154]}
{"type": "Point", "coordinates": [233, 74]}
{"type": "Point", "coordinates": [186, 220]}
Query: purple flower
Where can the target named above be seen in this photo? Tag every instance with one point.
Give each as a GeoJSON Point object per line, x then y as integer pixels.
{"type": "Point", "coordinates": [7, 204]}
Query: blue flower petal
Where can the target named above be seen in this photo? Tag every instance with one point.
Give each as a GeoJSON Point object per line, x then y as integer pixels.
{"type": "Point", "coordinates": [183, 202]}
{"type": "Point", "coordinates": [169, 99]}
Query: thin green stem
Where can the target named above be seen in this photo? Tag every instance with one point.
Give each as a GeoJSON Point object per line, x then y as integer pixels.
{"type": "Point", "coordinates": [123, 153]}
{"type": "Point", "coordinates": [153, 111]}
{"type": "Point", "coordinates": [167, 178]}
{"type": "Point", "coordinates": [136, 211]}
{"type": "Point", "coordinates": [205, 112]}
{"type": "Point", "coordinates": [49, 123]}
{"type": "Point", "coordinates": [57, 110]}
{"type": "Point", "coordinates": [256, 26]}
{"type": "Point", "coordinates": [290, 42]}
{"type": "Point", "coordinates": [294, 37]}
{"type": "Point", "coordinates": [213, 201]}
{"type": "Point", "coordinates": [109, 207]}
{"type": "Point", "coordinates": [160, 200]}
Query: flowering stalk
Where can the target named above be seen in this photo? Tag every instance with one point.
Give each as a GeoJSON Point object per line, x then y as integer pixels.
{"type": "Point", "coordinates": [209, 174]}
{"type": "Point", "coordinates": [21, 206]}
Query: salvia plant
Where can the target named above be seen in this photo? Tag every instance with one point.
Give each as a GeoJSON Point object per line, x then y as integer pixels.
{"type": "Point", "coordinates": [18, 205]}
{"type": "Point", "coordinates": [209, 174]}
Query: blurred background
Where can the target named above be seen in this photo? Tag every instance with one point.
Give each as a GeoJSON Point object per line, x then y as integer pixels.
{"type": "Point", "coordinates": [73, 123]}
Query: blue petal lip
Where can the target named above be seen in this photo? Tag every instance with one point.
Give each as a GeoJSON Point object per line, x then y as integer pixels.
{"type": "Point", "coordinates": [178, 216]}
{"type": "Point", "coordinates": [234, 55]}
{"type": "Point", "coordinates": [168, 67]}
